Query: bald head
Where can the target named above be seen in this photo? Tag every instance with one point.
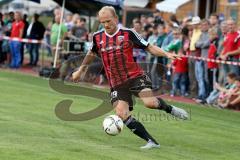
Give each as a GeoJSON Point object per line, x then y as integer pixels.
{"type": "Point", "coordinates": [107, 10]}
{"type": "Point", "coordinates": [231, 25]}
{"type": "Point", "coordinates": [108, 18]}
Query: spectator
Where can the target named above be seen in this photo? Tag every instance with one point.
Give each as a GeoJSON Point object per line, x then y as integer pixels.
{"type": "Point", "coordinates": [158, 66]}
{"type": "Point", "coordinates": [185, 22]}
{"type": "Point", "coordinates": [214, 22]}
{"type": "Point", "coordinates": [212, 54]}
{"type": "Point", "coordinates": [231, 50]}
{"type": "Point", "coordinates": [167, 40]}
{"type": "Point", "coordinates": [79, 31]}
{"type": "Point", "coordinates": [137, 26]}
{"type": "Point", "coordinates": [224, 30]}
{"type": "Point", "coordinates": [8, 23]}
{"type": "Point", "coordinates": [8, 20]}
{"type": "Point", "coordinates": [227, 98]}
{"type": "Point", "coordinates": [150, 20]}
{"type": "Point", "coordinates": [57, 11]}
{"type": "Point", "coordinates": [153, 38]}
{"type": "Point", "coordinates": [55, 31]}
{"type": "Point", "coordinates": [234, 98]}
{"type": "Point", "coordinates": [201, 69]}
{"type": "Point", "coordinates": [212, 98]}
{"type": "Point", "coordinates": [176, 44]}
{"type": "Point", "coordinates": [169, 35]}
{"type": "Point", "coordinates": [35, 31]}
{"type": "Point", "coordinates": [196, 33]}
{"type": "Point", "coordinates": [88, 43]}
{"type": "Point", "coordinates": [75, 19]}
{"type": "Point", "coordinates": [16, 32]}
{"type": "Point", "coordinates": [139, 55]}
{"type": "Point", "coordinates": [26, 24]}
{"type": "Point", "coordinates": [185, 51]}
{"type": "Point", "coordinates": [47, 37]}
{"type": "Point", "coordinates": [161, 35]}
{"type": "Point", "coordinates": [69, 23]}
{"type": "Point", "coordinates": [136, 20]}
{"type": "Point", "coordinates": [147, 31]}
{"type": "Point", "coordinates": [2, 56]}
{"type": "Point", "coordinates": [157, 18]}
{"type": "Point", "coordinates": [173, 19]}
{"type": "Point", "coordinates": [143, 20]}
{"type": "Point", "coordinates": [180, 66]}
{"type": "Point", "coordinates": [152, 65]}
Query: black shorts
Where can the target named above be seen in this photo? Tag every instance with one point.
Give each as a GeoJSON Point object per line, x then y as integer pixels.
{"type": "Point", "coordinates": [132, 87]}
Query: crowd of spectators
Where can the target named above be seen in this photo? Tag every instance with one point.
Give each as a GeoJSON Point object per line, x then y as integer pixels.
{"type": "Point", "coordinates": [15, 25]}
{"type": "Point", "coordinates": [207, 82]}
{"type": "Point", "coordinates": [199, 38]}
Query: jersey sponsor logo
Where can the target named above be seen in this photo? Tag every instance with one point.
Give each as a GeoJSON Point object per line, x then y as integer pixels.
{"type": "Point", "coordinates": [114, 46]}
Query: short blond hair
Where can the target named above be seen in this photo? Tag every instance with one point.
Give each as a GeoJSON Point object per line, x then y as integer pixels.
{"type": "Point", "coordinates": [108, 8]}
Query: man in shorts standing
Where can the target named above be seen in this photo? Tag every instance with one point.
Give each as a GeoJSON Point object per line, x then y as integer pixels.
{"type": "Point", "coordinates": [115, 47]}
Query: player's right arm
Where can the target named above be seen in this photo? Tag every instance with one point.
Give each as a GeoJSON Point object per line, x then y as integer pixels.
{"type": "Point", "coordinates": [90, 56]}
{"type": "Point", "coordinates": [83, 68]}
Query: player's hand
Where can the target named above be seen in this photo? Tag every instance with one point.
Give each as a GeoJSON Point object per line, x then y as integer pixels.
{"type": "Point", "coordinates": [76, 75]}
{"type": "Point", "coordinates": [173, 56]}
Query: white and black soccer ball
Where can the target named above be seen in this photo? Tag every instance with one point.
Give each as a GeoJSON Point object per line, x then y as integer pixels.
{"type": "Point", "coordinates": [112, 125]}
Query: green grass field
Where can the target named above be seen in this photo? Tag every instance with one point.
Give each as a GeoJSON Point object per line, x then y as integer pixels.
{"type": "Point", "coordinates": [30, 130]}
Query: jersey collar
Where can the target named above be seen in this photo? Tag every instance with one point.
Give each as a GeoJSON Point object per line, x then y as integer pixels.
{"type": "Point", "coordinates": [112, 35]}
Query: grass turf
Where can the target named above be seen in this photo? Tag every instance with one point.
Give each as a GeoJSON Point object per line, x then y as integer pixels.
{"type": "Point", "coordinates": [30, 130]}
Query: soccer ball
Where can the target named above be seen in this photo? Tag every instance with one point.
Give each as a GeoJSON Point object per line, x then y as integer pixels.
{"type": "Point", "coordinates": [112, 125]}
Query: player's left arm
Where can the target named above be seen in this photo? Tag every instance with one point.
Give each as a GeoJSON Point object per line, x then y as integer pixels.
{"type": "Point", "coordinates": [139, 42]}
{"type": "Point", "coordinates": [155, 50]}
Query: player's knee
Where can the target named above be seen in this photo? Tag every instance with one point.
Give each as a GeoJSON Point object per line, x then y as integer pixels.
{"type": "Point", "coordinates": [150, 103]}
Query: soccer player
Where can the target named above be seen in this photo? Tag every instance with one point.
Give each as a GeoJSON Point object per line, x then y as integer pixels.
{"type": "Point", "coordinates": [115, 47]}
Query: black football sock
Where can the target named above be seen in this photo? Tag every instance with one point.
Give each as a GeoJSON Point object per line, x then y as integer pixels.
{"type": "Point", "coordinates": [137, 128]}
{"type": "Point", "coordinates": [162, 105]}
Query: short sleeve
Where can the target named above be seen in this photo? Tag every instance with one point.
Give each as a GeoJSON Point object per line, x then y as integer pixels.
{"type": "Point", "coordinates": [93, 47]}
{"type": "Point", "coordinates": [137, 40]}
{"type": "Point", "coordinates": [173, 46]}
{"type": "Point", "coordinates": [170, 47]}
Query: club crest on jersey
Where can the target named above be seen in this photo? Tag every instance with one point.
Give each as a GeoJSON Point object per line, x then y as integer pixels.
{"type": "Point", "coordinates": [120, 38]}
{"type": "Point", "coordinates": [101, 42]}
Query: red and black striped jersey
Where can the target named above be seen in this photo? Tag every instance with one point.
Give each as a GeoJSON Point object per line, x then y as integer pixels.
{"type": "Point", "coordinates": [116, 52]}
